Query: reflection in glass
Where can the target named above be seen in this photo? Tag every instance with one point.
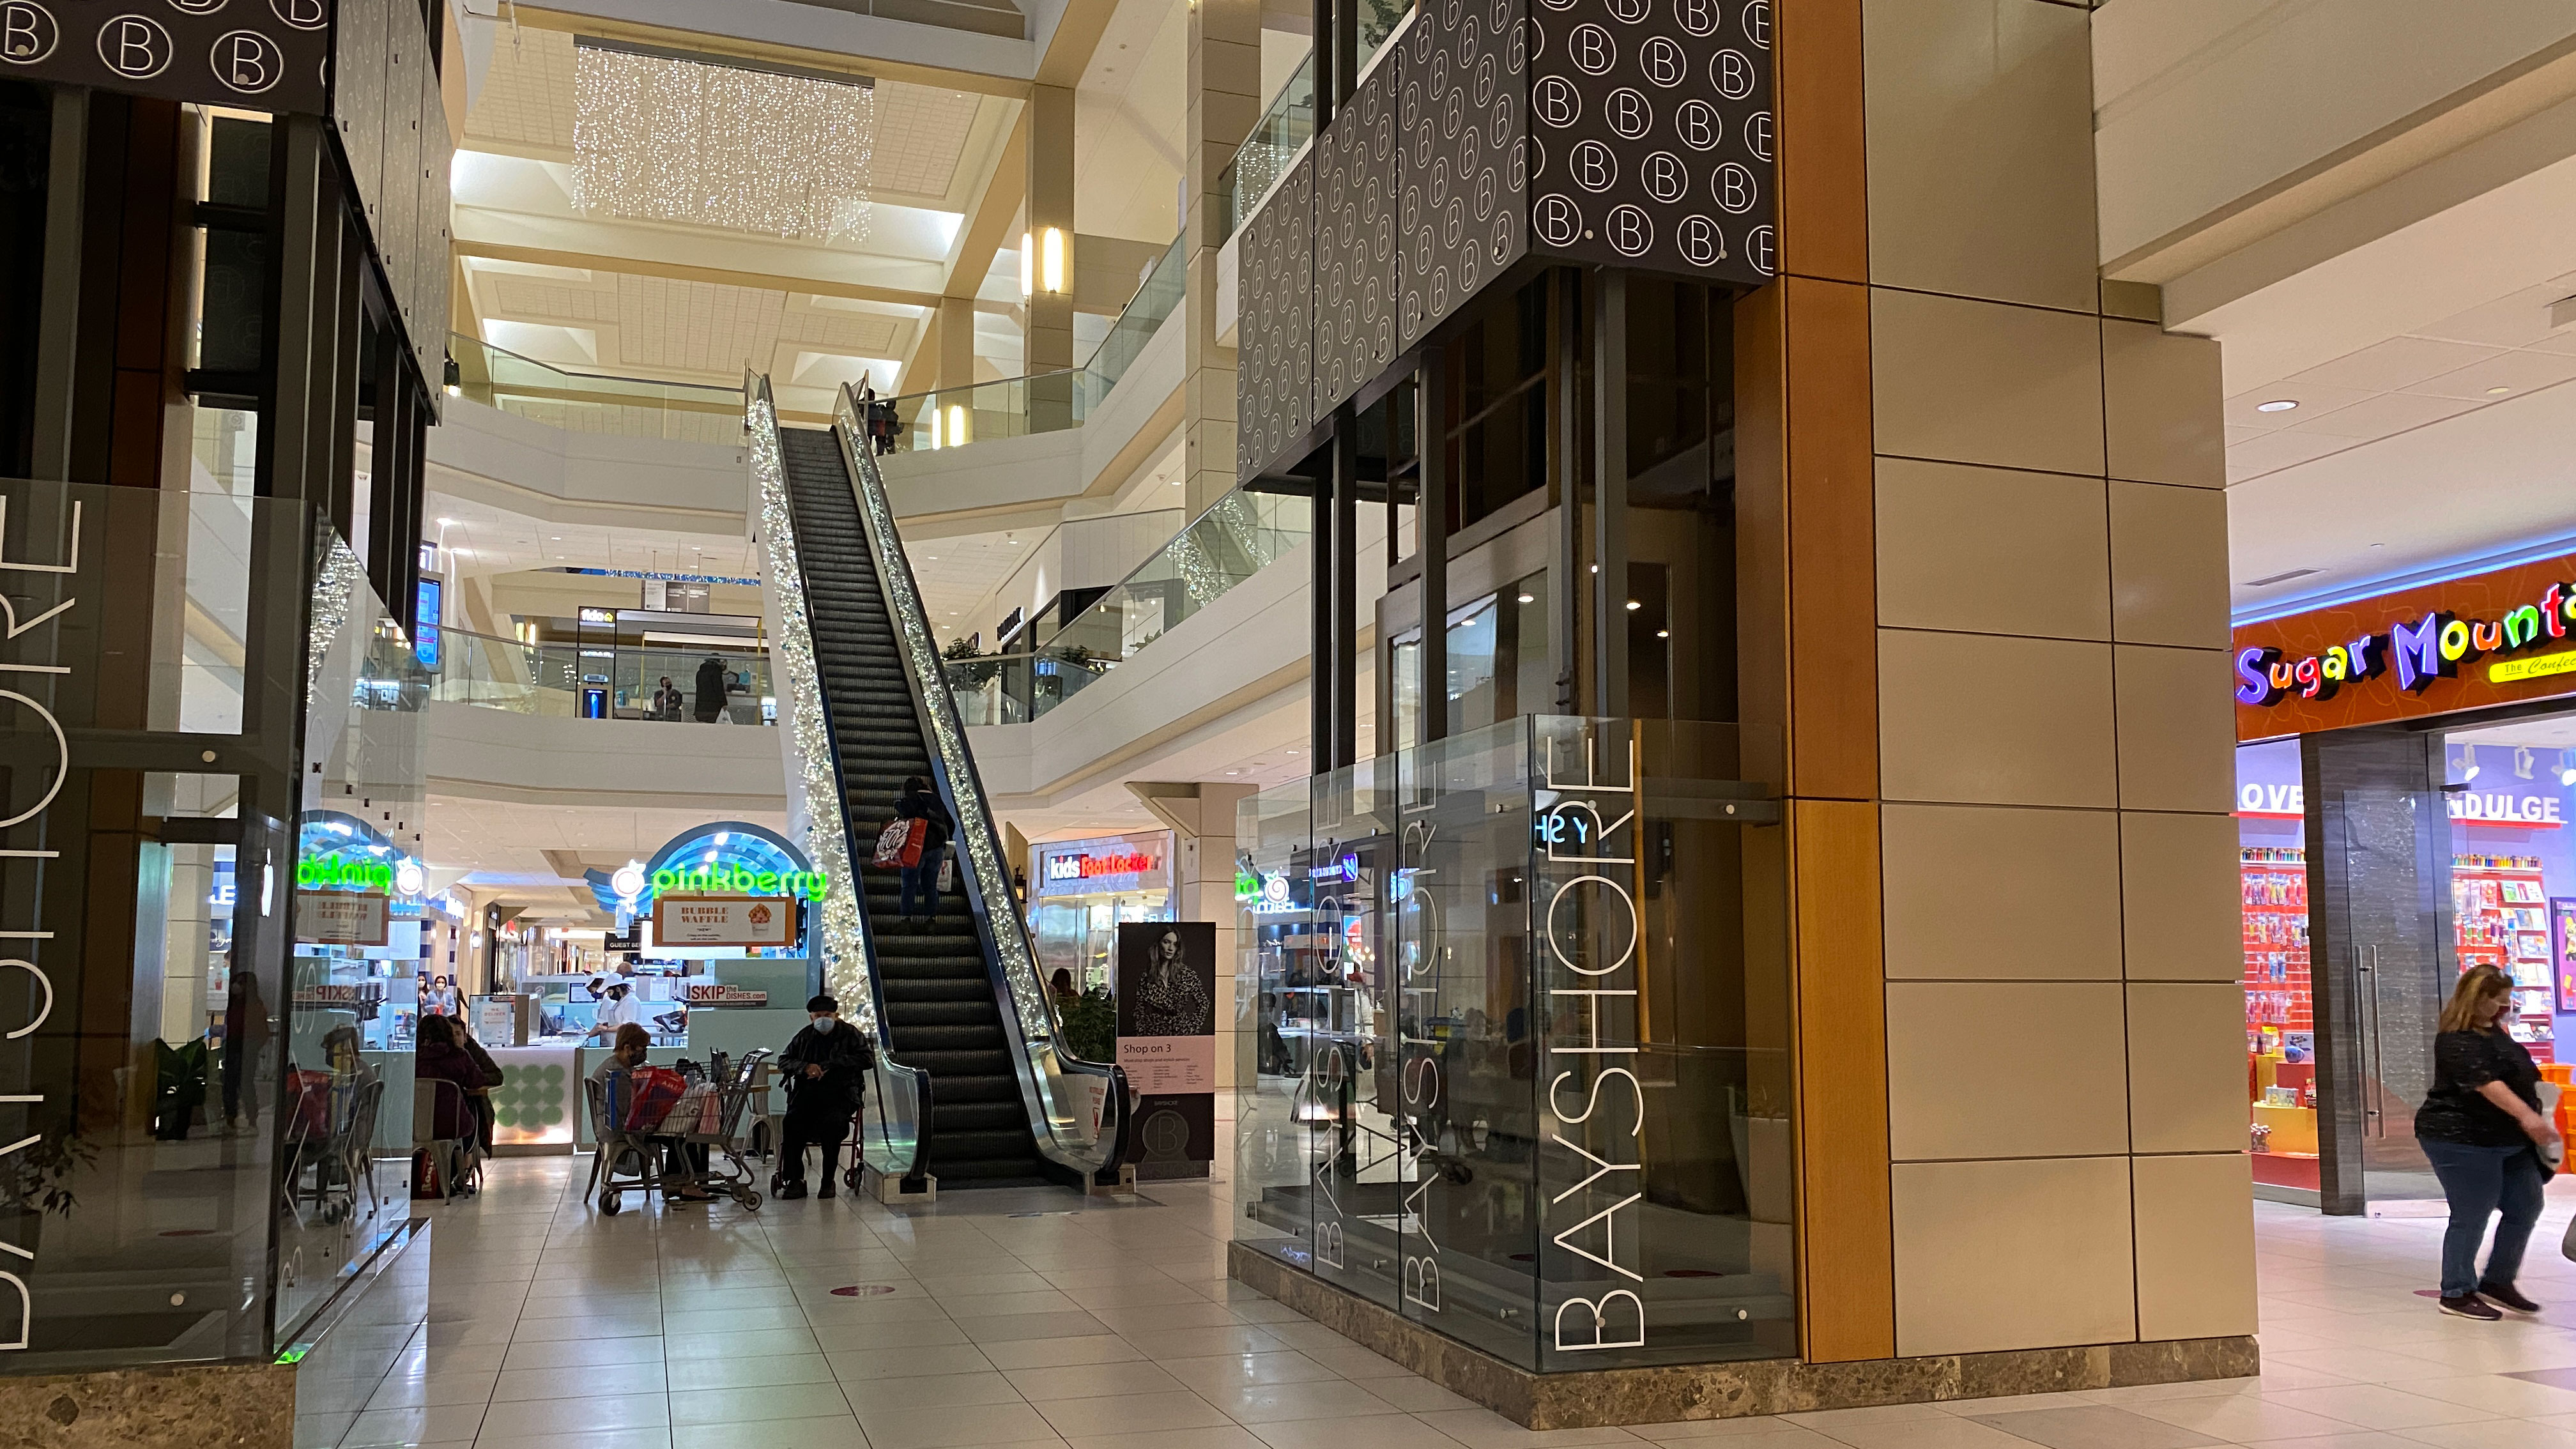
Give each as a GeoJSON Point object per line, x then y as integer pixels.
{"type": "Point", "coordinates": [346, 1094]}
{"type": "Point", "coordinates": [1520, 1057]}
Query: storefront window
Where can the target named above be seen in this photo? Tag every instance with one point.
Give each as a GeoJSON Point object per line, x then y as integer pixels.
{"type": "Point", "coordinates": [1081, 891]}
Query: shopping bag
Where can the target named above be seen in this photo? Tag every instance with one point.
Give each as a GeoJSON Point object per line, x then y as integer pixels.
{"type": "Point", "coordinates": [650, 1094]}
{"type": "Point", "coordinates": [947, 871]}
{"type": "Point", "coordinates": [900, 842]}
{"type": "Point", "coordinates": [424, 1175]}
{"type": "Point", "coordinates": [311, 1092]}
{"type": "Point", "coordinates": [687, 1113]}
{"type": "Point", "coordinates": [711, 1115]}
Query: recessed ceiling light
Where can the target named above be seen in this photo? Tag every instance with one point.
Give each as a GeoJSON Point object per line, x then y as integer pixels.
{"type": "Point", "coordinates": [1663, 633]}
{"type": "Point", "coordinates": [2276, 405]}
{"type": "Point", "coordinates": [2498, 391]}
{"type": "Point", "coordinates": [1529, 598]}
{"type": "Point", "coordinates": [1634, 606]}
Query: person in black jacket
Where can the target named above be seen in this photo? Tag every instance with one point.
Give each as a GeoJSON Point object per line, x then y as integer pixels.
{"type": "Point", "coordinates": [710, 700]}
{"type": "Point", "coordinates": [2481, 1128]}
{"type": "Point", "coordinates": [826, 1067]}
{"type": "Point", "coordinates": [917, 803]}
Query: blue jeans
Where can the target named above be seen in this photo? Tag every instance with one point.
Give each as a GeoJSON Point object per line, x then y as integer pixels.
{"type": "Point", "coordinates": [2478, 1181]}
{"type": "Point", "coordinates": [922, 880]}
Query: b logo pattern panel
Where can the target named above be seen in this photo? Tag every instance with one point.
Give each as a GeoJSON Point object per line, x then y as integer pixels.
{"type": "Point", "coordinates": [1355, 251]}
{"type": "Point", "coordinates": [1653, 135]}
{"type": "Point", "coordinates": [1461, 188]}
{"type": "Point", "coordinates": [1274, 358]}
{"type": "Point", "coordinates": [254, 53]}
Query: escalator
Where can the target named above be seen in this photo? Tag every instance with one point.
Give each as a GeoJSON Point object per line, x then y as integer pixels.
{"type": "Point", "coordinates": [959, 1014]}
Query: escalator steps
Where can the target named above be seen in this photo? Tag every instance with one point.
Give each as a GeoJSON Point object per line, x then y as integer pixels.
{"type": "Point", "coordinates": [939, 997]}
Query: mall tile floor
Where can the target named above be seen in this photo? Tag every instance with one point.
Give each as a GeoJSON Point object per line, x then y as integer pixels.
{"type": "Point", "coordinates": [1005, 1320]}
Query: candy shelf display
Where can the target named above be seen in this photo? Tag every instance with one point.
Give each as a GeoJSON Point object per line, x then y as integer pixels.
{"type": "Point", "coordinates": [2280, 1022]}
{"type": "Point", "coordinates": [2501, 918]}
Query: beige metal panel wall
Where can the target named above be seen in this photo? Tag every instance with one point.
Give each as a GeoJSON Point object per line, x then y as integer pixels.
{"type": "Point", "coordinates": [2065, 1028]}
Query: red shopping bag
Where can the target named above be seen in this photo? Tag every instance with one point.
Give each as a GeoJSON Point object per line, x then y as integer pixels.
{"type": "Point", "coordinates": [900, 842]}
{"type": "Point", "coordinates": [311, 1109]}
{"type": "Point", "coordinates": [650, 1094]}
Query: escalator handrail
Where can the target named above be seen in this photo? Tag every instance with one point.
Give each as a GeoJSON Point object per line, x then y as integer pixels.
{"type": "Point", "coordinates": [827, 828]}
{"type": "Point", "coordinates": [1028, 1015]}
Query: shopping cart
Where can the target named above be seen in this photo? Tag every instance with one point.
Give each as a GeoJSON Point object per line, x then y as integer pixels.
{"type": "Point", "coordinates": [724, 1129]}
{"type": "Point", "coordinates": [708, 1116]}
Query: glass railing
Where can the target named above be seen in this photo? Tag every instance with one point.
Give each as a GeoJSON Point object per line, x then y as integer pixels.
{"type": "Point", "coordinates": [1156, 299]}
{"type": "Point", "coordinates": [598, 681]}
{"type": "Point", "coordinates": [583, 402]}
{"type": "Point", "coordinates": [1078, 1108]}
{"type": "Point", "coordinates": [1240, 535]}
{"type": "Point", "coordinates": [1289, 120]}
{"type": "Point", "coordinates": [1287, 125]}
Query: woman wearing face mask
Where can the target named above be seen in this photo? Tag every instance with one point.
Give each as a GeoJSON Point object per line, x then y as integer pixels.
{"type": "Point", "coordinates": [826, 1067]}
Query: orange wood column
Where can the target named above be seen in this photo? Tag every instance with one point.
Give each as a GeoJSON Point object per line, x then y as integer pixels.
{"type": "Point", "coordinates": [1808, 608]}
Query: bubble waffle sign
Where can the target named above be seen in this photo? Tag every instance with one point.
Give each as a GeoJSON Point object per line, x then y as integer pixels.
{"type": "Point", "coordinates": [724, 921]}
{"type": "Point", "coordinates": [2490, 639]}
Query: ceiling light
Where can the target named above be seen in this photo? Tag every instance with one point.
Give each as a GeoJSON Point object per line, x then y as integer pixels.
{"type": "Point", "coordinates": [447, 523]}
{"type": "Point", "coordinates": [2276, 405]}
{"type": "Point", "coordinates": [1663, 633]}
{"type": "Point", "coordinates": [1529, 598]}
{"type": "Point", "coordinates": [668, 136]}
{"type": "Point", "coordinates": [1634, 606]}
{"type": "Point", "coordinates": [2498, 391]}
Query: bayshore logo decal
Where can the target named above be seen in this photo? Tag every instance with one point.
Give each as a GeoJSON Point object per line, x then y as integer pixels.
{"type": "Point", "coordinates": [12, 932]}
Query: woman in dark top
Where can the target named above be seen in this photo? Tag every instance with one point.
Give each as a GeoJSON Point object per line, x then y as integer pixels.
{"type": "Point", "coordinates": [2481, 1128]}
{"type": "Point", "coordinates": [442, 1060]}
{"type": "Point", "coordinates": [917, 803]}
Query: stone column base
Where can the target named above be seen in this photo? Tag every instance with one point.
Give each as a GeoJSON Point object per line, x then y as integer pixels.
{"type": "Point", "coordinates": [1587, 1399]}
{"type": "Point", "coordinates": [214, 1406]}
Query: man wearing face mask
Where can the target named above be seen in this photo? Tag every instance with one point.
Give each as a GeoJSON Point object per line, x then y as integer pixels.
{"type": "Point", "coordinates": [826, 1068]}
{"type": "Point", "coordinates": [618, 1008]}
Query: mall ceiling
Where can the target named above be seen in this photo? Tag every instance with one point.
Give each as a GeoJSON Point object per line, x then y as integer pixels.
{"type": "Point", "coordinates": [690, 303]}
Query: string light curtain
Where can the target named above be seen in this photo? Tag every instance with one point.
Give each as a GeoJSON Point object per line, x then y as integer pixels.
{"type": "Point", "coordinates": [666, 137]}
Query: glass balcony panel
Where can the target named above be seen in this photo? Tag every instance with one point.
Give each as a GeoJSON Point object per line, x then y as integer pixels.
{"type": "Point", "coordinates": [583, 402]}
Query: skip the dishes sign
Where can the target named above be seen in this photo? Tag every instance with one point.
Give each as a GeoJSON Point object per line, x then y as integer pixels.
{"type": "Point", "coordinates": [724, 921]}
{"type": "Point", "coordinates": [2492, 638]}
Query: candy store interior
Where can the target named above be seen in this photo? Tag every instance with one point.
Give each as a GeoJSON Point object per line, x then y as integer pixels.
{"type": "Point", "coordinates": [2508, 791]}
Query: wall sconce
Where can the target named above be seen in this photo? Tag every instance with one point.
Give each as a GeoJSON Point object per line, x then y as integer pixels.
{"type": "Point", "coordinates": [934, 428]}
{"type": "Point", "coordinates": [1028, 266]}
{"type": "Point", "coordinates": [1054, 269]}
{"type": "Point", "coordinates": [956, 425]}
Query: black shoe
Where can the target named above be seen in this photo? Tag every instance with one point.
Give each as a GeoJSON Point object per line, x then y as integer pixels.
{"type": "Point", "coordinates": [828, 1189]}
{"type": "Point", "coordinates": [2507, 1297]}
{"type": "Point", "coordinates": [795, 1190]}
{"type": "Point", "coordinates": [2470, 1305]}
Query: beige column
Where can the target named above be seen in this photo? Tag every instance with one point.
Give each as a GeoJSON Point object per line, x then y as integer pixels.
{"type": "Point", "coordinates": [1224, 99]}
{"type": "Point", "coordinates": [1049, 213]}
{"type": "Point", "coordinates": [2065, 1024]}
{"type": "Point", "coordinates": [954, 365]}
{"type": "Point", "coordinates": [1202, 821]}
